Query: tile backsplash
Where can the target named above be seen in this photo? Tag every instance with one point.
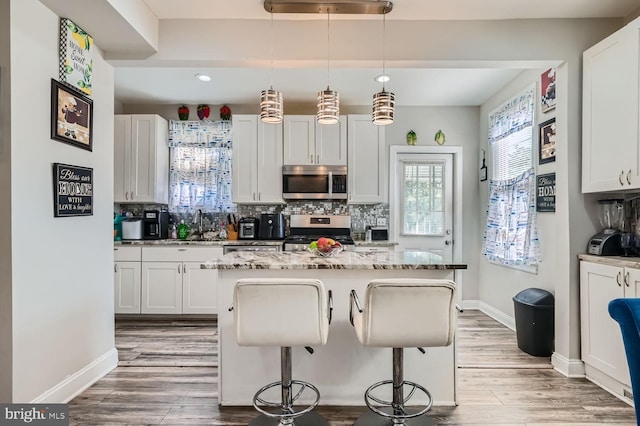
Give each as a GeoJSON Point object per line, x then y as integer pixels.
{"type": "Point", "coordinates": [362, 215]}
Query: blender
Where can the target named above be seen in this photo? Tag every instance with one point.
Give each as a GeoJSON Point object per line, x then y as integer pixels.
{"type": "Point", "coordinates": [607, 241]}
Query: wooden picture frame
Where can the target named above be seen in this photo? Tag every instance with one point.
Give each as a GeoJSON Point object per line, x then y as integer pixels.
{"type": "Point", "coordinates": [71, 116]}
{"type": "Point", "coordinates": [548, 90]}
{"type": "Point", "coordinates": [547, 141]}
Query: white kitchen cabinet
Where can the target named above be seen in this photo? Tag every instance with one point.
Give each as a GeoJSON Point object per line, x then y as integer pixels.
{"type": "Point", "coordinates": [306, 142]}
{"type": "Point", "coordinates": [127, 280]}
{"type": "Point", "coordinates": [610, 154]}
{"type": "Point", "coordinates": [173, 283]}
{"type": "Point", "coordinates": [141, 159]}
{"type": "Point", "coordinates": [602, 346]}
{"type": "Point", "coordinates": [257, 161]}
{"type": "Point", "coordinates": [367, 183]}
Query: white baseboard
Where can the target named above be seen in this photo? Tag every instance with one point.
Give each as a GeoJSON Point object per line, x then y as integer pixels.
{"type": "Point", "coordinates": [572, 368]}
{"type": "Point", "coordinates": [471, 305]}
{"type": "Point", "coordinates": [497, 315]}
{"type": "Point", "coordinates": [75, 384]}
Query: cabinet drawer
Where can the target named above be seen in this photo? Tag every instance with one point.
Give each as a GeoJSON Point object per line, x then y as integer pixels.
{"type": "Point", "coordinates": [180, 254]}
{"type": "Point", "coordinates": [127, 254]}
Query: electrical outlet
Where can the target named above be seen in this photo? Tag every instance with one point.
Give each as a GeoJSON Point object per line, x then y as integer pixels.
{"type": "Point", "coordinates": [381, 221]}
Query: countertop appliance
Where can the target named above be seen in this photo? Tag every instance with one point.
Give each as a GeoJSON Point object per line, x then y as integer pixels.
{"type": "Point", "coordinates": [248, 228]}
{"type": "Point", "coordinates": [306, 228]}
{"type": "Point", "coordinates": [132, 229]}
{"type": "Point", "coordinates": [156, 224]}
{"type": "Point", "coordinates": [607, 241]}
{"type": "Point", "coordinates": [379, 233]}
{"type": "Point", "coordinates": [309, 182]}
{"type": "Point", "coordinates": [271, 226]}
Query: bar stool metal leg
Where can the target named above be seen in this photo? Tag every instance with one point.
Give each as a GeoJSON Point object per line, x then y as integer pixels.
{"type": "Point", "coordinates": [389, 413]}
{"type": "Point", "coordinates": [287, 415]}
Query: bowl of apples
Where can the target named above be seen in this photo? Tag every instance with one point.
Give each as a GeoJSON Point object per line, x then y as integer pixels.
{"type": "Point", "coordinates": [325, 247]}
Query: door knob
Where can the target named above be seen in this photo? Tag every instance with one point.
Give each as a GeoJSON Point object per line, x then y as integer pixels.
{"type": "Point", "coordinates": [447, 242]}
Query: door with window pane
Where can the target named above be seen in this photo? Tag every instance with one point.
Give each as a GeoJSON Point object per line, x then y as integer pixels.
{"type": "Point", "coordinates": [424, 212]}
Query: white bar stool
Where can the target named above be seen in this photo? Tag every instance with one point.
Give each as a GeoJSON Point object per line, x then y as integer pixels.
{"type": "Point", "coordinates": [285, 313]}
{"type": "Point", "coordinates": [398, 314]}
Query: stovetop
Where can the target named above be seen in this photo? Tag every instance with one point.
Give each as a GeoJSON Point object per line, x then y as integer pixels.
{"type": "Point", "coordinates": [306, 239]}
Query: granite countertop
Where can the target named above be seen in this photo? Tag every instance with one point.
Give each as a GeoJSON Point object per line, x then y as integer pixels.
{"type": "Point", "coordinates": [377, 243]}
{"type": "Point", "coordinates": [343, 260]}
{"type": "Point", "coordinates": [213, 243]}
{"type": "Point", "coordinates": [621, 261]}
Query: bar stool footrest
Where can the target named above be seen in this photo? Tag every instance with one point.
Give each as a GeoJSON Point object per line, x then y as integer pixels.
{"type": "Point", "coordinates": [287, 413]}
{"type": "Point", "coordinates": [386, 410]}
{"type": "Point", "coordinates": [309, 419]}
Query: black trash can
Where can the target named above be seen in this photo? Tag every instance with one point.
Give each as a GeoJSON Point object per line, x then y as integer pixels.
{"type": "Point", "coordinates": [534, 310]}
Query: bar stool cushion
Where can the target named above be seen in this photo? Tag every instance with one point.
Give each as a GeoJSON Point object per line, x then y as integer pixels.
{"type": "Point", "coordinates": [403, 312]}
{"type": "Point", "coordinates": [280, 312]}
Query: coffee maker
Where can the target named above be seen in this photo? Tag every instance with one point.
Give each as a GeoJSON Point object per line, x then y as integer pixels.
{"type": "Point", "coordinates": [607, 242]}
{"type": "Point", "coordinates": [271, 226]}
{"type": "Point", "coordinates": [156, 224]}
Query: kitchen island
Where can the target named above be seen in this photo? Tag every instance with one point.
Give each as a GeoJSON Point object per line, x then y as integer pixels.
{"type": "Point", "coordinates": [343, 369]}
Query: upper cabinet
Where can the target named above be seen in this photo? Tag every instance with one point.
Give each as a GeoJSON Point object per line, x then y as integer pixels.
{"type": "Point", "coordinates": [141, 159]}
{"type": "Point", "coordinates": [610, 153]}
{"type": "Point", "coordinates": [306, 142]}
{"type": "Point", "coordinates": [367, 161]}
{"type": "Point", "coordinates": [257, 161]}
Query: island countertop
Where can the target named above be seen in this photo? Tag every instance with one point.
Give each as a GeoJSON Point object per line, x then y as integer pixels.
{"type": "Point", "coordinates": [345, 260]}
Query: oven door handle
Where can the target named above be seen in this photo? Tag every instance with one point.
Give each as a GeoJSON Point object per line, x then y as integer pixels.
{"type": "Point", "coordinates": [330, 184]}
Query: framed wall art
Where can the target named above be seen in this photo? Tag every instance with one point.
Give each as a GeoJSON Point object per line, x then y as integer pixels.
{"type": "Point", "coordinates": [71, 116]}
{"type": "Point", "coordinates": [75, 56]}
{"type": "Point", "coordinates": [547, 142]}
{"type": "Point", "coordinates": [548, 89]}
{"type": "Point", "coordinates": [546, 193]}
{"type": "Point", "coordinates": [72, 190]}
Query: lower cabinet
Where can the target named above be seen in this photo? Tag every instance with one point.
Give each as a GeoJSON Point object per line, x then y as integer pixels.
{"type": "Point", "coordinates": [127, 279]}
{"type": "Point", "coordinates": [602, 347]}
{"type": "Point", "coordinates": [167, 280]}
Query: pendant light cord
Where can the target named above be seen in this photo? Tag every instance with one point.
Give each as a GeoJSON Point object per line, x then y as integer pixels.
{"type": "Point", "coordinates": [384, 38]}
{"type": "Point", "coordinates": [271, 46]}
{"type": "Point", "coordinates": [328, 49]}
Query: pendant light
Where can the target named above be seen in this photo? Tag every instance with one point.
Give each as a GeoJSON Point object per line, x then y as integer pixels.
{"type": "Point", "coordinates": [328, 100]}
{"type": "Point", "coordinates": [384, 103]}
{"type": "Point", "coordinates": [271, 99]}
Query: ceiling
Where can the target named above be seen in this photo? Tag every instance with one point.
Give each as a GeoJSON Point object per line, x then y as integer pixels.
{"type": "Point", "coordinates": [137, 83]}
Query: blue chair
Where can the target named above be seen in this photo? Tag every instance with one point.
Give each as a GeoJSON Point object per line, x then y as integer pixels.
{"type": "Point", "coordinates": [627, 313]}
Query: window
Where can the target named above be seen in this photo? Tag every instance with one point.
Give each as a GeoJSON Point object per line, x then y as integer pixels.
{"type": "Point", "coordinates": [200, 167]}
{"type": "Point", "coordinates": [510, 235]}
{"type": "Point", "coordinates": [423, 198]}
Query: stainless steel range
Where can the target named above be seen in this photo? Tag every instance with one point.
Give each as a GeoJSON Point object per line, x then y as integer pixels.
{"type": "Point", "coordinates": [306, 228]}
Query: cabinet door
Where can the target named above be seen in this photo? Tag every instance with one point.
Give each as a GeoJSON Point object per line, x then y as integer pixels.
{"type": "Point", "coordinates": [367, 181]}
{"type": "Point", "coordinates": [269, 163]}
{"type": "Point", "coordinates": [632, 282]}
{"type": "Point", "coordinates": [127, 287]}
{"type": "Point", "coordinates": [610, 114]}
{"type": "Point", "coordinates": [161, 287]}
{"type": "Point", "coordinates": [299, 139]}
{"type": "Point", "coordinates": [122, 158]}
{"type": "Point", "coordinates": [602, 346]}
{"type": "Point", "coordinates": [331, 143]}
{"type": "Point", "coordinates": [245, 159]}
{"type": "Point", "coordinates": [143, 152]}
{"type": "Point", "coordinates": [199, 289]}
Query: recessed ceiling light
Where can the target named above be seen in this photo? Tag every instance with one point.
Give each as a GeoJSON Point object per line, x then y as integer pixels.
{"type": "Point", "coordinates": [382, 78]}
{"type": "Point", "coordinates": [203, 77]}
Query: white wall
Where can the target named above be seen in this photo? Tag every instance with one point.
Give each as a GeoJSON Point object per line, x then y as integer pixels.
{"type": "Point", "coordinates": [6, 357]}
{"type": "Point", "coordinates": [62, 268]}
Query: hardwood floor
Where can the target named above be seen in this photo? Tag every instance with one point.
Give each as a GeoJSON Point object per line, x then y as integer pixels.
{"type": "Point", "coordinates": [168, 376]}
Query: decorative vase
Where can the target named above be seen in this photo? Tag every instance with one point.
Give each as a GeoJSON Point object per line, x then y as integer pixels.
{"type": "Point", "coordinates": [412, 138]}
{"type": "Point", "coordinates": [439, 137]}
{"type": "Point", "coordinates": [203, 111]}
{"type": "Point", "coordinates": [225, 113]}
{"type": "Point", "coordinates": [183, 112]}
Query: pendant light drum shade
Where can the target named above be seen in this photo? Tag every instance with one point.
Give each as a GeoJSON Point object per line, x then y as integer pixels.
{"type": "Point", "coordinates": [328, 107]}
{"type": "Point", "coordinates": [384, 105]}
{"type": "Point", "coordinates": [271, 106]}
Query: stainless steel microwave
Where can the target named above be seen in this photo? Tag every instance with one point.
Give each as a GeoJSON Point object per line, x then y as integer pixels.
{"type": "Point", "coordinates": [314, 182]}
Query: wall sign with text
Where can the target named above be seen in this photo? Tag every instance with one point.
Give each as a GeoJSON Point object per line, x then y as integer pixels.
{"type": "Point", "coordinates": [72, 190]}
{"type": "Point", "coordinates": [76, 62]}
{"type": "Point", "coordinates": [546, 193]}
